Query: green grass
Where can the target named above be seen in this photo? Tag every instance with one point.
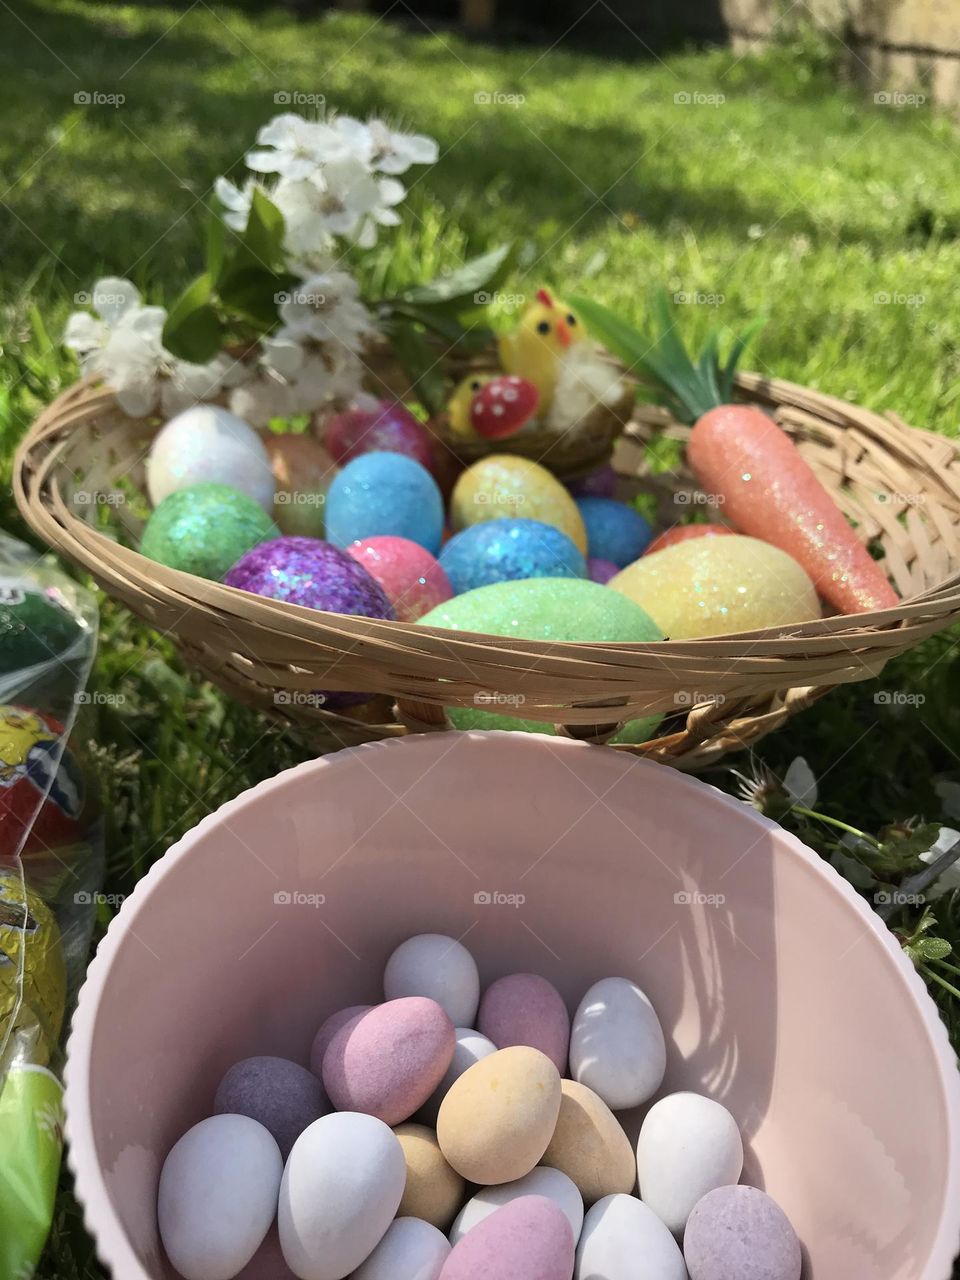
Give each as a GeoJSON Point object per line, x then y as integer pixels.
{"type": "Point", "coordinates": [791, 197]}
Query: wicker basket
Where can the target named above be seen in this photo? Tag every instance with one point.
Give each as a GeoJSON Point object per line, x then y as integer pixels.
{"type": "Point", "coordinates": [900, 485]}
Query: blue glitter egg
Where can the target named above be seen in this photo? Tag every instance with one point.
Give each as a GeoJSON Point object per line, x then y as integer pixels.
{"type": "Point", "coordinates": [507, 551]}
{"type": "Point", "coordinates": [384, 493]}
{"type": "Point", "coordinates": [615, 532]}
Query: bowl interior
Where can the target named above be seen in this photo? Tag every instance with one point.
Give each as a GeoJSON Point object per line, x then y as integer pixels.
{"type": "Point", "coordinates": [779, 992]}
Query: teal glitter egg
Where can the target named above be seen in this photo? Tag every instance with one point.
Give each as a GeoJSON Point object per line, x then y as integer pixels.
{"type": "Point", "coordinates": [542, 609]}
{"type": "Point", "coordinates": [205, 529]}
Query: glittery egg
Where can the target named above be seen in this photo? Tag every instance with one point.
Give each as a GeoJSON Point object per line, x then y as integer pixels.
{"type": "Point", "coordinates": [685, 533]}
{"type": "Point", "coordinates": [601, 483]}
{"type": "Point", "coordinates": [502, 487]}
{"type": "Point", "coordinates": [208, 443]}
{"type": "Point", "coordinates": [615, 531]}
{"type": "Point", "coordinates": [302, 471]}
{"type": "Point", "coordinates": [413, 580]}
{"type": "Point", "coordinates": [205, 529]}
{"type": "Point", "coordinates": [552, 609]}
{"type": "Point", "coordinates": [385, 493]}
{"type": "Point", "coordinates": [506, 550]}
{"type": "Point", "coordinates": [389, 428]}
{"type": "Point", "coordinates": [601, 570]}
{"type": "Point", "coordinates": [713, 586]}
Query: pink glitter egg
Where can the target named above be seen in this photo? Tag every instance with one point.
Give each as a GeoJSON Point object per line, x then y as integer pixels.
{"type": "Point", "coordinates": [409, 575]}
{"type": "Point", "coordinates": [388, 428]}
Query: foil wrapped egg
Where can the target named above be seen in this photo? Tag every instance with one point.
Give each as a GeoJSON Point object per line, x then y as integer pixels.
{"type": "Point", "coordinates": [507, 550]}
{"type": "Point", "coordinates": [205, 444]}
{"type": "Point", "coordinates": [502, 487]}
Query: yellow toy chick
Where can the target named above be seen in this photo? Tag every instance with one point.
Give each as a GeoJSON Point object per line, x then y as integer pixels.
{"type": "Point", "coordinates": [458, 408]}
{"type": "Point", "coordinates": [542, 340]}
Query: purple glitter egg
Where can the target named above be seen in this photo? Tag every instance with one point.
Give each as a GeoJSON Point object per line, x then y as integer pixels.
{"type": "Point", "coordinates": [601, 570]}
{"type": "Point", "coordinates": [601, 483]}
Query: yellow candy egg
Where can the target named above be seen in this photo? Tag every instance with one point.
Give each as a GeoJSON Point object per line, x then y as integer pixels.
{"type": "Point", "coordinates": [502, 486]}
{"type": "Point", "coordinates": [712, 586]}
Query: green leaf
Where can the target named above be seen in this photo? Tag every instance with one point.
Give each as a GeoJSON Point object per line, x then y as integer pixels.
{"type": "Point", "coordinates": [626, 342]}
{"type": "Point", "coordinates": [442, 321]}
{"type": "Point", "coordinates": [193, 331]}
{"type": "Point", "coordinates": [932, 948]}
{"type": "Point", "coordinates": [420, 362]}
{"type": "Point", "coordinates": [263, 238]}
{"type": "Point", "coordinates": [216, 245]}
{"type": "Point", "coordinates": [477, 275]}
{"type": "Point", "coordinates": [255, 293]}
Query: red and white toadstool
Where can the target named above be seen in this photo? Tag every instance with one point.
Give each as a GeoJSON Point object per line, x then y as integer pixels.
{"type": "Point", "coordinates": [502, 406]}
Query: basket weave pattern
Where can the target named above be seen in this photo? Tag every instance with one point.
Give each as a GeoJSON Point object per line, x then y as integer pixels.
{"type": "Point", "coordinates": [900, 485]}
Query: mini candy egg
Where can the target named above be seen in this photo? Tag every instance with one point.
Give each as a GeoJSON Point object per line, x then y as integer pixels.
{"type": "Point", "coordinates": [440, 968]}
{"type": "Point", "coordinates": [497, 1119]}
{"type": "Point", "coordinates": [302, 472]}
{"type": "Point", "coordinates": [601, 483]}
{"type": "Point", "coordinates": [502, 406]}
{"type": "Point", "coordinates": [615, 531]}
{"type": "Point", "coordinates": [411, 577]}
{"type": "Point", "coordinates": [527, 1239]}
{"type": "Point", "coordinates": [208, 444]}
{"type": "Point", "coordinates": [504, 487]}
{"type": "Point", "coordinates": [205, 530]}
{"type": "Point", "coordinates": [688, 1145]}
{"type": "Point", "coordinates": [385, 493]}
{"type": "Point", "coordinates": [387, 1062]}
{"type": "Point", "coordinates": [542, 609]}
{"type": "Point", "coordinates": [623, 1239]}
{"type": "Point", "coordinates": [434, 1191]}
{"type": "Point", "coordinates": [471, 1046]}
{"type": "Point", "coordinates": [712, 586]}
{"type": "Point", "coordinates": [524, 1008]}
{"type": "Point", "coordinates": [553, 1184]}
{"type": "Point", "coordinates": [388, 427]}
{"type": "Point", "coordinates": [328, 1029]}
{"type": "Point", "coordinates": [507, 550]}
{"type": "Point", "coordinates": [740, 1233]}
{"type": "Point", "coordinates": [411, 1250]}
{"type": "Point", "coordinates": [312, 573]}
{"type": "Point", "coordinates": [218, 1196]}
{"type": "Point", "coordinates": [616, 1044]}
{"type": "Point", "coordinates": [685, 533]}
{"type": "Point", "coordinates": [601, 570]}
{"type": "Point", "coordinates": [590, 1146]}
{"type": "Point", "coordinates": [341, 1189]}
{"type": "Point", "coordinates": [281, 1095]}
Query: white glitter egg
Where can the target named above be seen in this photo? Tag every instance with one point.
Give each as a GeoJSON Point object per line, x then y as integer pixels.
{"type": "Point", "coordinates": [207, 443]}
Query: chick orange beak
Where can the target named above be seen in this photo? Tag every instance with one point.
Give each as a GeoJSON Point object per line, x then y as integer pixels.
{"type": "Point", "coordinates": [562, 331]}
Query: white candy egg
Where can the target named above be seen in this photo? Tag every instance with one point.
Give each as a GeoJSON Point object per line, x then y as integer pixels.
{"type": "Point", "coordinates": [218, 1196]}
{"type": "Point", "coordinates": [411, 1250]}
{"type": "Point", "coordinates": [471, 1046]}
{"type": "Point", "coordinates": [553, 1184]}
{"type": "Point", "coordinates": [623, 1239]}
{"type": "Point", "coordinates": [688, 1145]}
{"type": "Point", "coordinates": [439, 967]}
{"type": "Point", "coordinates": [340, 1191]}
{"type": "Point", "coordinates": [207, 443]}
{"type": "Point", "coordinates": [616, 1044]}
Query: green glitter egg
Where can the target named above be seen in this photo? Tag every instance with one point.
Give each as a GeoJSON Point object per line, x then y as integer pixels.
{"type": "Point", "coordinates": [543, 609]}
{"type": "Point", "coordinates": [205, 529]}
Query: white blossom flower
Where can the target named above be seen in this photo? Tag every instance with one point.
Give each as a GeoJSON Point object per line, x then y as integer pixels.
{"type": "Point", "coordinates": [949, 879]}
{"type": "Point", "coordinates": [111, 299]}
{"type": "Point", "coordinates": [297, 148]}
{"type": "Point", "coordinates": [236, 201]}
{"type": "Point", "coordinates": [385, 149]}
{"type": "Point", "coordinates": [327, 308]}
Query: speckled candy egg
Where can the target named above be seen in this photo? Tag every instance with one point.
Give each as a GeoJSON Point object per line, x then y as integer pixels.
{"type": "Point", "coordinates": [411, 1250]}
{"type": "Point", "coordinates": [524, 1008]}
{"type": "Point", "coordinates": [218, 1196]}
{"type": "Point", "coordinates": [505, 487]}
{"type": "Point", "coordinates": [712, 586]}
{"type": "Point", "coordinates": [438, 967]}
{"type": "Point", "coordinates": [388, 1061]}
{"type": "Point", "coordinates": [526, 1239]}
{"type": "Point", "coordinates": [542, 609]}
{"type": "Point", "coordinates": [601, 570]}
{"type": "Point", "coordinates": [740, 1233]}
{"type": "Point", "coordinates": [281, 1095]}
{"type": "Point", "coordinates": [388, 427]}
{"type": "Point", "coordinates": [590, 1146]}
{"type": "Point", "coordinates": [617, 1047]}
{"type": "Point", "coordinates": [508, 550]}
{"type": "Point", "coordinates": [385, 493]}
{"type": "Point", "coordinates": [208, 443]}
{"type": "Point", "coordinates": [412, 578]}
{"type": "Point", "coordinates": [615, 531]}
{"type": "Point", "coordinates": [618, 1232]}
{"type": "Point", "coordinates": [312, 573]}
{"type": "Point", "coordinates": [553, 1184]}
{"type": "Point", "coordinates": [302, 471]}
{"type": "Point", "coordinates": [205, 530]}
{"type": "Point", "coordinates": [433, 1191]}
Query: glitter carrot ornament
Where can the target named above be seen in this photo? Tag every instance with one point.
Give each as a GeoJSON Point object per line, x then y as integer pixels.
{"type": "Point", "coordinates": [744, 459]}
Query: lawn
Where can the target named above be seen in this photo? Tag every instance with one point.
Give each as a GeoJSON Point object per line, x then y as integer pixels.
{"type": "Point", "coordinates": [752, 182]}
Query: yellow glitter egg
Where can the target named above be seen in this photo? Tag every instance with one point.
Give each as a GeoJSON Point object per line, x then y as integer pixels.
{"type": "Point", "coordinates": [502, 486]}
{"type": "Point", "coordinates": [712, 586]}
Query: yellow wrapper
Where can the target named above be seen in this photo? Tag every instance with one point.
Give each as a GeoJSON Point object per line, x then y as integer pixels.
{"type": "Point", "coordinates": [30, 947]}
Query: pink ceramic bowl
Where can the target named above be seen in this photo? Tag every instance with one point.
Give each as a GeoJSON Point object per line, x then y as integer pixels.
{"type": "Point", "coordinates": [780, 992]}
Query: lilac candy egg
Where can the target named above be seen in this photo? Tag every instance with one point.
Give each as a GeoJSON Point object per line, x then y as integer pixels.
{"type": "Point", "coordinates": [524, 1008]}
{"type": "Point", "coordinates": [740, 1233]}
{"type": "Point", "coordinates": [615, 531]}
{"type": "Point", "coordinates": [529, 1237]}
{"type": "Point", "coordinates": [283, 1096]}
{"type": "Point", "coordinates": [601, 570]}
{"type": "Point", "coordinates": [328, 1029]}
{"type": "Point", "coordinates": [387, 1062]}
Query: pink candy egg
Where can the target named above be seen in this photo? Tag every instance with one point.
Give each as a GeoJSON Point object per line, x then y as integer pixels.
{"type": "Point", "coordinates": [529, 1237]}
{"type": "Point", "coordinates": [524, 1008]}
{"type": "Point", "coordinates": [389, 428]}
{"type": "Point", "coordinates": [388, 1061]}
{"type": "Point", "coordinates": [411, 577]}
